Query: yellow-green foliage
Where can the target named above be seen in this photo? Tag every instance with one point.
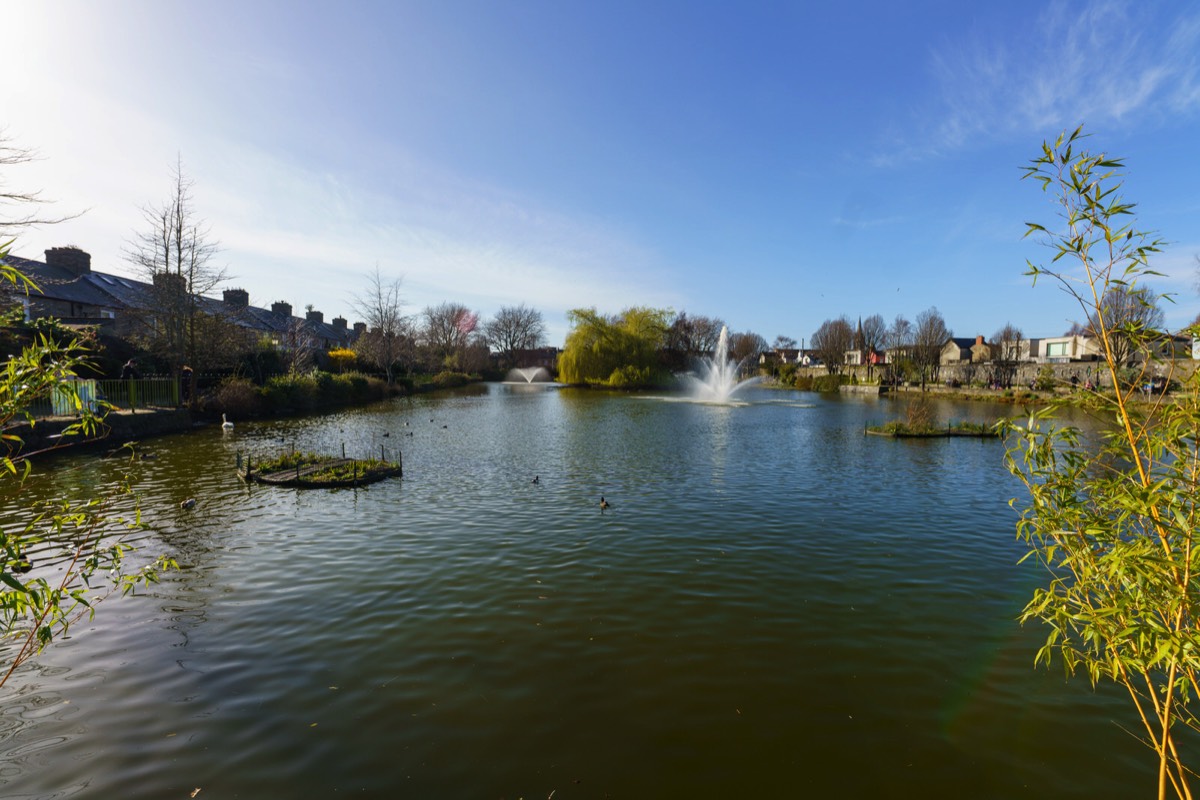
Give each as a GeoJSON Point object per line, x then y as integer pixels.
{"type": "Point", "coordinates": [342, 359]}
{"type": "Point", "coordinates": [1112, 521]}
{"type": "Point", "coordinates": [621, 350]}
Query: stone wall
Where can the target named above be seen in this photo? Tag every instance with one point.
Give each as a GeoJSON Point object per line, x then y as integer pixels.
{"type": "Point", "coordinates": [1080, 371]}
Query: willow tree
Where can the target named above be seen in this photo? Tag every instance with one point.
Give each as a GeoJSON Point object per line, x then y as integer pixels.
{"type": "Point", "coordinates": [1114, 523]}
{"type": "Point", "coordinates": [620, 351]}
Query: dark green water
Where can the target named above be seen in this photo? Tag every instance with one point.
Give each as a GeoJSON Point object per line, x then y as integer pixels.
{"type": "Point", "coordinates": [775, 605]}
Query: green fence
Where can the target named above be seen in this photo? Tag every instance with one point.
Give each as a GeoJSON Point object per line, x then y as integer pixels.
{"type": "Point", "coordinates": [138, 393]}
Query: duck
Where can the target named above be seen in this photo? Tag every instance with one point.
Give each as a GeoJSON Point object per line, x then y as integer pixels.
{"type": "Point", "coordinates": [188, 504]}
{"type": "Point", "coordinates": [603, 503]}
{"type": "Point", "coordinates": [22, 564]}
{"type": "Point", "coordinates": [535, 479]}
{"type": "Point", "coordinates": [226, 425]}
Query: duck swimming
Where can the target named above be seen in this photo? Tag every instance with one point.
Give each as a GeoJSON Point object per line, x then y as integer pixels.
{"type": "Point", "coordinates": [603, 503]}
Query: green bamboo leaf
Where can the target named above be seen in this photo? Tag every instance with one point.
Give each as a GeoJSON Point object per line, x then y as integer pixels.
{"type": "Point", "coordinates": [13, 583]}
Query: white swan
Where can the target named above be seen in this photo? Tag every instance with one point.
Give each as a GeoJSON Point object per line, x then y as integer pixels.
{"type": "Point", "coordinates": [226, 425]}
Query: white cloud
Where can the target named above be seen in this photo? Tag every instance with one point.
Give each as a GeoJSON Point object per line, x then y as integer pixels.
{"type": "Point", "coordinates": [1107, 63]}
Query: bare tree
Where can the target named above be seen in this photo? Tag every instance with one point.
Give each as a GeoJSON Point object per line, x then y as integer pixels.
{"type": "Point", "coordinates": [382, 309]}
{"type": "Point", "coordinates": [689, 337]}
{"type": "Point", "coordinates": [446, 334]}
{"type": "Point", "coordinates": [898, 342]}
{"type": "Point", "coordinates": [930, 335]}
{"type": "Point", "coordinates": [175, 252]}
{"type": "Point", "coordinates": [784, 343]}
{"type": "Point", "coordinates": [744, 348]}
{"type": "Point", "coordinates": [11, 155]}
{"type": "Point", "coordinates": [831, 341]}
{"type": "Point", "coordinates": [872, 332]}
{"type": "Point", "coordinates": [298, 346]}
{"type": "Point", "coordinates": [1129, 315]}
{"type": "Point", "coordinates": [514, 328]}
{"type": "Point", "coordinates": [1006, 354]}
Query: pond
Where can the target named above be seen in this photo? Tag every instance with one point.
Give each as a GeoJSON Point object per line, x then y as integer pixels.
{"type": "Point", "coordinates": [773, 605]}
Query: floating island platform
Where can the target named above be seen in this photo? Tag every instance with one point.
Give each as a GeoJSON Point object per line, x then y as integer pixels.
{"type": "Point", "coordinates": [314, 471]}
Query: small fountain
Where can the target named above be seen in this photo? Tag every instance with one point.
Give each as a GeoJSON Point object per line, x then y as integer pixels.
{"type": "Point", "coordinates": [718, 378]}
{"type": "Point", "coordinates": [528, 375]}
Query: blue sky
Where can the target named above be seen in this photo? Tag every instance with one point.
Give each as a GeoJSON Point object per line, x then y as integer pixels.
{"type": "Point", "coordinates": [772, 164]}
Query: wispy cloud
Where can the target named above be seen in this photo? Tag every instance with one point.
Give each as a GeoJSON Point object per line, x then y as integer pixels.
{"type": "Point", "coordinates": [1106, 63]}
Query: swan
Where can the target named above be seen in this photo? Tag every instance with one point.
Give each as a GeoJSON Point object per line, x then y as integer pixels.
{"type": "Point", "coordinates": [226, 425]}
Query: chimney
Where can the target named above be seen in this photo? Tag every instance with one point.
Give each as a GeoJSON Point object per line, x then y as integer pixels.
{"type": "Point", "coordinates": [979, 340]}
{"type": "Point", "coordinates": [72, 259]}
{"type": "Point", "coordinates": [338, 323]}
{"type": "Point", "coordinates": [237, 297]}
{"type": "Point", "coordinates": [314, 316]}
{"type": "Point", "coordinates": [282, 308]}
{"type": "Point", "coordinates": [359, 329]}
{"type": "Point", "coordinates": [170, 281]}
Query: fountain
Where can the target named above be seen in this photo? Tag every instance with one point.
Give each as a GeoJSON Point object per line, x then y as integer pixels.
{"type": "Point", "coordinates": [528, 375]}
{"type": "Point", "coordinates": [718, 377]}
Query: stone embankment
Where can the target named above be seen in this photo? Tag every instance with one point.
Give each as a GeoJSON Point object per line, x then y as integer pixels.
{"type": "Point", "coordinates": [118, 428]}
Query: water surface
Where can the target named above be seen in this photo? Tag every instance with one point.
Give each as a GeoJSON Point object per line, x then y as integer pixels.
{"type": "Point", "coordinates": [774, 605]}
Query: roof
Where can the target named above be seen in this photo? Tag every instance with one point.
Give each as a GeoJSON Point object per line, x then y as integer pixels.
{"type": "Point", "coordinates": [121, 293]}
{"type": "Point", "coordinates": [59, 284]}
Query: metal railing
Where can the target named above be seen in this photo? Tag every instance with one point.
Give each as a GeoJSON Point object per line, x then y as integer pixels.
{"type": "Point", "coordinates": [135, 394]}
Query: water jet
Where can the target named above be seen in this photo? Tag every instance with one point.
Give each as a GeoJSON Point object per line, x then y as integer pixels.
{"type": "Point", "coordinates": [718, 378]}
{"type": "Point", "coordinates": [528, 375]}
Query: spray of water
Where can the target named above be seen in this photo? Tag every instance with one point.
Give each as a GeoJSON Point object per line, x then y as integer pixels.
{"type": "Point", "coordinates": [717, 379]}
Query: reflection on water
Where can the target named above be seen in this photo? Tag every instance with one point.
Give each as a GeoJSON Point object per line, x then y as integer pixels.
{"type": "Point", "coordinates": [774, 605]}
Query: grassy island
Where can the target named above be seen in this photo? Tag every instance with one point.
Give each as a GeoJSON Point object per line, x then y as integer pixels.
{"type": "Point", "coordinates": [315, 471]}
{"type": "Point", "coordinates": [903, 430]}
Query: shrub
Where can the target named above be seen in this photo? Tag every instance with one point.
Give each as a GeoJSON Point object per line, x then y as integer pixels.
{"type": "Point", "coordinates": [449, 380]}
{"type": "Point", "coordinates": [828, 383]}
{"type": "Point", "coordinates": [342, 359]}
{"type": "Point", "coordinates": [1045, 378]}
{"type": "Point", "coordinates": [239, 397]}
{"type": "Point", "coordinates": [920, 413]}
